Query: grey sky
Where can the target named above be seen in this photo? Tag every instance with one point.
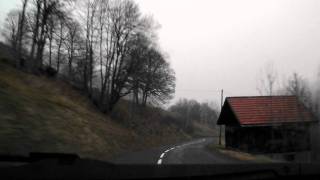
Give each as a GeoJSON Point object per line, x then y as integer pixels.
{"type": "Point", "coordinates": [5, 7]}
{"type": "Point", "coordinates": [216, 44]}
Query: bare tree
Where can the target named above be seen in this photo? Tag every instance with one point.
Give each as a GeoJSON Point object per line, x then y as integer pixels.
{"type": "Point", "coordinates": [89, 21]}
{"type": "Point", "coordinates": [47, 10]}
{"type": "Point", "coordinates": [111, 50]}
{"type": "Point", "coordinates": [35, 32]}
{"type": "Point", "coordinates": [10, 31]}
{"type": "Point", "coordinates": [104, 44]}
{"type": "Point", "coordinates": [158, 80]}
{"type": "Point", "coordinates": [316, 96]}
{"type": "Point", "coordinates": [182, 108]}
{"type": "Point", "coordinates": [72, 43]}
{"type": "Point", "coordinates": [268, 80]}
{"type": "Point", "coordinates": [208, 115]}
{"type": "Point", "coordinates": [21, 31]}
{"type": "Point", "coordinates": [124, 17]}
{"type": "Point", "coordinates": [43, 12]}
{"type": "Point", "coordinates": [50, 35]}
{"type": "Point", "coordinates": [60, 38]}
{"type": "Point", "coordinates": [190, 111]}
{"type": "Point", "coordinates": [152, 80]}
{"type": "Point", "coordinates": [297, 86]}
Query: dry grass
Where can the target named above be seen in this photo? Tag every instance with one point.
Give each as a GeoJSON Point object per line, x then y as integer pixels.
{"type": "Point", "coordinates": [243, 156]}
{"type": "Point", "coordinates": [238, 155]}
{"type": "Point", "coordinates": [40, 114]}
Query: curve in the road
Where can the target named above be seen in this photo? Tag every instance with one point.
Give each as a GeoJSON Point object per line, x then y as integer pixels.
{"type": "Point", "coordinates": [160, 160]}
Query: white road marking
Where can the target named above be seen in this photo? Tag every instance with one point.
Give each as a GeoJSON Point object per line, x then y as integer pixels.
{"type": "Point", "coordinates": [159, 162]}
{"type": "Point", "coordinates": [163, 154]}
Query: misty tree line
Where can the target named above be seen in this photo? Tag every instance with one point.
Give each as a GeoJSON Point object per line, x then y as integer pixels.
{"type": "Point", "coordinates": [191, 111]}
{"type": "Point", "coordinates": [307, 92]}
{"type": "Point", "coordinates": [105, 47]}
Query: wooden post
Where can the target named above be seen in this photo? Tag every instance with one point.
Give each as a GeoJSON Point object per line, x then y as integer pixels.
{"type": "Point", "coordinates": [220, 130]}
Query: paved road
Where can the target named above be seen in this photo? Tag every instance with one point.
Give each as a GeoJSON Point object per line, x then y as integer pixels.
{"type": "Point", "coordinates": [193, 152]}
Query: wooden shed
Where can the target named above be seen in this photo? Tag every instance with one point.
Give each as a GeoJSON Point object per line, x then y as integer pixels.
{"type": "Point", "coordinates": [266, 124]}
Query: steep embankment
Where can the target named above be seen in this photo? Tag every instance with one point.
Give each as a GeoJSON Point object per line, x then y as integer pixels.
{"type": "Point", "coordinates": [39, 114]}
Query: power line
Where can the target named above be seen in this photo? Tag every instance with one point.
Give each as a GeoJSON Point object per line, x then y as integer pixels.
{"type": "Point", "coordinates": [197, 90]}
{"type": "Point", "coordinates": [228, 93]}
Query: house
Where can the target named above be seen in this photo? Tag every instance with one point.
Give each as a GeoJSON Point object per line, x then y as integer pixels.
{"type": "Point", "coordinates": [266, 124]}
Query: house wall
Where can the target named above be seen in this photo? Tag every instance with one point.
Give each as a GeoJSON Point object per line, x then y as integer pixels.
{"type": "Point", "coordinates": [247, 139]}
{"type": "Point", "coordinates": [269, 139]}
{"type": "Point", "coordinates": [315, 142]}
{"type": "Point", "coordinates": [299, 157]}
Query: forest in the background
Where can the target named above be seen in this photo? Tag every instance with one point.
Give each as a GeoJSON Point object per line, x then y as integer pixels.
{"type": "Point", "coordinates": [270, 83]}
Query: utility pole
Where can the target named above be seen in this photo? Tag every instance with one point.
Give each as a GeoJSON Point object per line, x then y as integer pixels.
{"type": "Point", "coordinates": [220, 130]}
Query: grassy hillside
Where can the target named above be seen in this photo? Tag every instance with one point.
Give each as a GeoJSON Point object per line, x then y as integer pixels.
{"type": "Point", "coordinates": [39, 114]}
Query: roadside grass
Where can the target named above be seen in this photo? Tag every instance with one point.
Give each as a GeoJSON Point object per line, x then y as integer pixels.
{"type": "Point", "coordinates": [243, 156]}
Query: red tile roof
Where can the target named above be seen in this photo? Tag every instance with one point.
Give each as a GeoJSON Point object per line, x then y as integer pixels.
{"type": "Point", "coordinates": [262, 110]}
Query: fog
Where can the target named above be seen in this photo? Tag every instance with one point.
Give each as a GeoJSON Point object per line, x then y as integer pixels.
{"type": "Point", "coordinates": [224, 44]}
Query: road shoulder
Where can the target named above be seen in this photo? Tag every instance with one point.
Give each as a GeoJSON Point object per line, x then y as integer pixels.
{"type": "Point", "coordinates": [238, 155]}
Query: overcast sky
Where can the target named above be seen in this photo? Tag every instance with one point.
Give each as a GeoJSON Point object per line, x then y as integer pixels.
{"type": "Point", "coordinates": [215, 44]}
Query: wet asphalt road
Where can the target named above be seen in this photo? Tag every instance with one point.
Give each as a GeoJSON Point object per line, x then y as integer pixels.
{"type": "Point", "coordinates": [192, 152]}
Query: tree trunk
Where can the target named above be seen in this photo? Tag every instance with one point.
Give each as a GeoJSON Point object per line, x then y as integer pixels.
{"type": "Point", "coordinates": [59, 54]}
{"type": "Point", "coordinates": [91, 71]}
{"type": "Point", "coordinates": [21, 29]}
{"type": "Point", "coordinates": [42, 39]}
{"type": "Point", "coordinates": [50, 49]}
{"type": "Point", "coordinates": [136, 94]}
{"type": "Point", "coordinates": [71, 58]}
{"type": "Point", "coordinates": [113, 100]}
{"type": "Point", "coordinates": [35, 36]}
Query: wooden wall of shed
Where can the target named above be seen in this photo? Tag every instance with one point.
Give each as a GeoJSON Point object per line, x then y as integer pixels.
{"type": "Point", "coordinates": [315, 142]}
{"type": "Point", "coordinates": [269, 139]}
